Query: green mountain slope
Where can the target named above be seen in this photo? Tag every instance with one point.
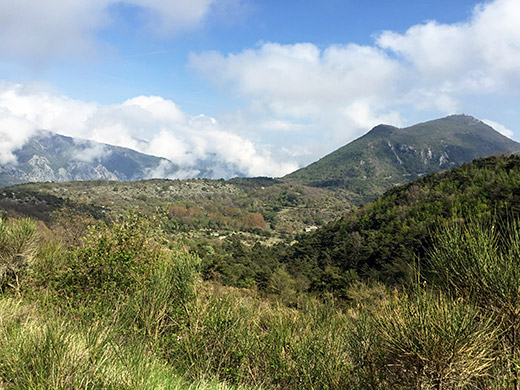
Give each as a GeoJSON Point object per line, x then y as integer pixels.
{"type": "Point", "coordinates": [381, 239]}
{"type": "Point", "coordinates": [388, 155]}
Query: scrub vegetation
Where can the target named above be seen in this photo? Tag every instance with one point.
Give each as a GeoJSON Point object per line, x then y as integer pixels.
{"type": "Point", "coordinates": [418, 290]}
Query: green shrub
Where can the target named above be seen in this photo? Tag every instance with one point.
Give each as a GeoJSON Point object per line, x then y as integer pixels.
{"type": "Point", "coordinates": [113, 261]}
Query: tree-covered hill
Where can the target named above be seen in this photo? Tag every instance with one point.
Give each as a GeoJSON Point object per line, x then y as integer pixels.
{"type": "Point", "coordinates": [382, 239]}
{"type": "Point", "coordinates": [388, 155]}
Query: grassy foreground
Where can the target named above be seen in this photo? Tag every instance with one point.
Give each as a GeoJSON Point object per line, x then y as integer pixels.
{"type": "Point", "coordinates": [127, 309]}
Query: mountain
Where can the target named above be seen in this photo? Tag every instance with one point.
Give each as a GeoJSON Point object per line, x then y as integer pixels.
{"type": "Point", "coordinates": [365, 168]}
{"type": "Point", "coordinates": [387, 155]}
{"type": "Point", "coordinates": [48, 156]}
{"type": "Point", "coordinates": [52, 157]}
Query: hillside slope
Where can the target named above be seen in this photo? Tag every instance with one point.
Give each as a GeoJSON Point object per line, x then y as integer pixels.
{"type": "Point", "coordinates": [387, 155]}
{"type": "Point", "coordinates": [382, 239]}
{"type": "Point", "coordinates": [261, 205]}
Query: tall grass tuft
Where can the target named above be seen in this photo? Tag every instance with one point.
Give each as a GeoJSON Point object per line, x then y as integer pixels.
{"type": "Point", "coordinates": [164, 303]}
{"type": "Point", "coordinates": [18, 247]}
{"type": "Point", "coordinates": [480, 261]}
{"type": "Point", "coordinates": [39, 352]}
{"type": "Point", "coordinates": [241, 338]}
{"type": "Point", "coordinates": [431, 341]}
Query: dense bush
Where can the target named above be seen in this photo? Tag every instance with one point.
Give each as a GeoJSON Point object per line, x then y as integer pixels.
{"type": "Point", "coordinates": [112, 261]}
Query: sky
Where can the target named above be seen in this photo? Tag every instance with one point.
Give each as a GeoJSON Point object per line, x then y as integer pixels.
{"type": "Point", "coordinates": [266, 86]}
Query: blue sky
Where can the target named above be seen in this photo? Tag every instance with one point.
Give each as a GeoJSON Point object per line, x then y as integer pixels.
{"type": "Point", "coordinates": [266, 86]}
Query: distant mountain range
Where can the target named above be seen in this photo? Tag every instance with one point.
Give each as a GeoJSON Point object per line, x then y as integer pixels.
{"type": "Point", "coordinates": [50, 157]}
{"type": "Point", "coordinates": [387, 155]}
{"type": "Point", "coordinates": [382, 158]}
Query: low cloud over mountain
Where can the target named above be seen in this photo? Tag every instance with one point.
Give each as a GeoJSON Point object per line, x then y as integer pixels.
{"type": "Point", "coordinates": [148, 124]}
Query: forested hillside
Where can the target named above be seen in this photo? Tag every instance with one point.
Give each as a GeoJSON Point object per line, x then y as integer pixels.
{"type": "Point", "coordinates": [383, 239]}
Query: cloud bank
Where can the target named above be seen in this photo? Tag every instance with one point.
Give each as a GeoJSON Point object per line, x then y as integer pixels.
{"type": "Point", "coordinates": [344, 90]}
{"type": "Point", "coordinates": [148, 124]}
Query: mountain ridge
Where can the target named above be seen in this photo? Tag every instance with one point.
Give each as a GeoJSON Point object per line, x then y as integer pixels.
{"type": "Point", "coordinates": [388, 155]}
{"type": "Point", "coordinates": [366, 167]}
{"type": "Point", "coordinates": [51, 157]}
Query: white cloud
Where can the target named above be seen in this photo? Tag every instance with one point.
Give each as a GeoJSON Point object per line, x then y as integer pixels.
{"type": "Point", "coordinates": [481, 55]}
{"type": "Point", "coordinates": [45, 109]}
{"type": "Point", "coordinates": [39, 30]}
{"type": "Point", "coordinates": [161, 109]}
{"type": "Point", "coordinates": [44, 29]}
{"type": "Point", "coordinates": [166, 144]}
{"type": "Point", "coordinates": [289, 84]}
{"type": "Point", "coordinates": [343, 90]}
{"type": "Point", "coordinates": [14, 133]}
{"type": "Point", "coordinates": [89, 151]}
{"type": "Point", "coordinates": [362, 116]}
{"type": "Point", "coordinates": [149, 124]}
{"type": "Point", "coordinates": [291, 79]}
{"type": "Point", "coordinates": [281, 125]}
